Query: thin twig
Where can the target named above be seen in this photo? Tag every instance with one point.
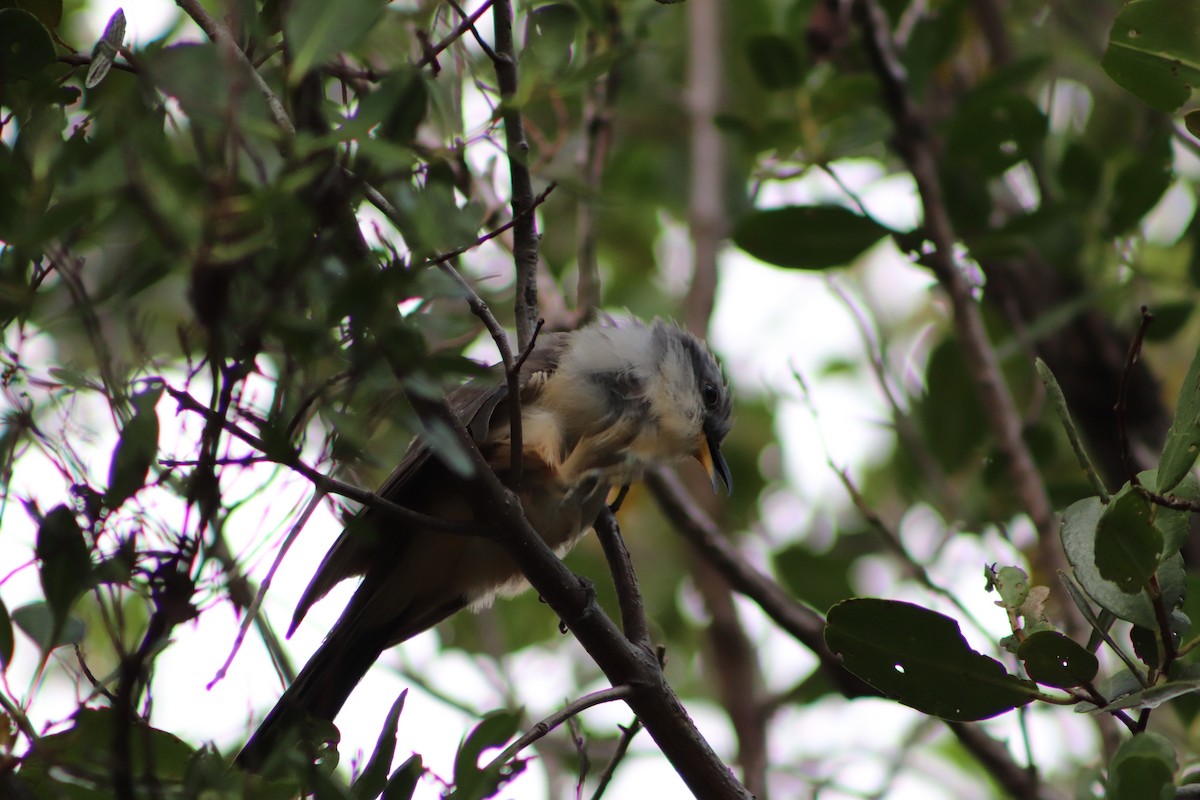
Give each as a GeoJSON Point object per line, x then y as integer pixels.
{"type": "Point", "coordinates": [332, 485]}
{"type": "Point", "coordinates": [525, 232]}
{"type": "Point", "coordinates": [629, 597]}
{"type": "Point", "coordinates": [467, 24]}
{"type": "Point", "coordinates": [250, 615]}
{"type": "Point", "coordinates": [551, 722]}
{"type": "Point", "coordinates": [627, 734]}
{"type": "Point", "coordinates": [913, 143]}
{"type": "Point", "coordinates": [1135, 350]}
{"type": "Point", "coordinates": [651, 697]}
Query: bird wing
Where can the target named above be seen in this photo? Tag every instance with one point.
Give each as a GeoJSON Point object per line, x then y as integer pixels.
{"type": "Point", "coordinates": [475, 403]}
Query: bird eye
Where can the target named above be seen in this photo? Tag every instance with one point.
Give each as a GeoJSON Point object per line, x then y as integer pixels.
{"type": "Point", "coordinates": [709, 394]}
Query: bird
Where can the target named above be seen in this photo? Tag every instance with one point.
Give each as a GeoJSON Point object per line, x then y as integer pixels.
{"type": "Point", "coordinates": [599, 406]}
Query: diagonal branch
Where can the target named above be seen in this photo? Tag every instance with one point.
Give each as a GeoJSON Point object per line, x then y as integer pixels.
{"type": "Point", "coordinates": [912, 141]}
{"type": "Point", "coordinates": [651, 698]}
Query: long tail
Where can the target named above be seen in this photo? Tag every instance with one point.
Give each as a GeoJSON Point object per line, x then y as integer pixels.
{"type": "Point", "coordinates": [319, 691]}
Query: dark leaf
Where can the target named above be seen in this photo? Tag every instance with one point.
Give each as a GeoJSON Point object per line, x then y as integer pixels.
{"type": "Point", "coordinates": [77, 755]}
{"type": "Point", "coordinates": [375, 775]}
{"type": "Point", "coordinates": [1140, 185]}
{"type": "Point", "coordinates": [1152, 51]}
{"type": "Point", "coordinates": [1128, 546]}
{"type": "Point", "coordinates": [470, 781]}
{"type": "Point", "coordinates": [66, 564]}
{"type": "Point", "coordinates": [6, 638]}
{"type": "Point", "coordinates": [136, 450]}
{"type": "Point", "coordinates": [920, 658]}
{"type": "Point", "coordinates": [1052, 659]}
{"type": "Point", "coordinates": [403, 782]}
{"type": "Point", "coordinates": [807, 237]}
{"type": "Point", "coordinates": [316, 30]}
{"type": "Point", "coordinates": [775, 61]}
{"type": "Point", "coordinates": [1169, 319]}
{"type": "Point", "coordinates": [25, 47]}
{"type": "Point", "coordinates": [1143, 769]}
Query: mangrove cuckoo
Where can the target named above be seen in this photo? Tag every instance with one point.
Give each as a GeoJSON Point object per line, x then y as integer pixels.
{"type": "Point", "coordinates": [598, 406]}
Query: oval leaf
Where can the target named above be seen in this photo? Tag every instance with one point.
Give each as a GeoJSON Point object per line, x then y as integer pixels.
{"type": "Point", "coordinates": [317, 29]}
{"type": "Point", "coordinates": [66, 563]}
{"type": "Point", "coordinates": [135, 452]}
{"type": "Point", "coordinates": [1078, 533]}
{"type": "Point", "coordinates": [1152, 52]}
{"type": "Point", "coordinates": [1128, 546]}
{"type": "Point", "coordinates": [807, 237]}
{"type": "Point", "coordinates": [775, 61]}
{"type": "Point", "coordinates": [920, 658]}
{"type": "Point", "coordinates": [37, 621]}
{"type": "Point", "coordinates": [1143, 769]}
{"type": "Point", "coordinates": [25, 46]}
{"type": "Point", "coordinates": [1052, 659]}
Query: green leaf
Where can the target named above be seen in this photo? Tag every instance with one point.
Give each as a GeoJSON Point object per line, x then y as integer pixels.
{"type": "Point", "coordinates": [549, 33]}
{"type": "Point", "coordinates": [1152, 697]}
{"type": "Point", "coordinates": [37, 621]}
{"type": "Point", "coordinates": [471, 782]}
{"type": "Point", "coordinates": [6, 638]}
{"type": "Point", "coordinates": [1169, 319]}
{"type": "Point", "coordinates": [316, 30]}
{"type": "Point", "coordinates": [48, 12]}
{"type": "Point", "coordinates": [1140, 184]}
{"type": "Point", "coordinates": [920, 658]}
{"type": "Point", "coordinates": [403, 782]}
{"type": "Point", "coordinates": [775, 61]}
{"type": "Point", "coordinates": [1128, 545]}
{"type": "Point", "coordinates": [1183, 439]}
{"type": "Point", "coordinates": [1078, 534]}
{"type": "Point", "coordinates": [25, 47]}
{"type": "Point", "coordinates": [136, 450]}
{"type": "Point", "coordinates": [1143, 769]}
{"type": "Point", "coordinates": [1013, 586]}
{"type": "Point", "coordinates": [375, 775]}
{"type": "Point", "coordinates": [993, 131]}
{"type": "Point", "coordinates": [76, 756]}
{"type": "Point", "coordinates": [807, 237]}
{"type": "Point", "coordinates": [66, 563]}
{"type": "Point", "coordinates": [1153, 50]}
{"type": "Point", "coordinates": [1052, 659]}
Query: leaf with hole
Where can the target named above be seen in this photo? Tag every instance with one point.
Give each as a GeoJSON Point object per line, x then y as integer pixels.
{"type": "Point", "coordinates": [1152, 51]}
{"type": "Point", "coordinates": [919, 658]}
{"type": "Point", "coordinates": [1052, 659]}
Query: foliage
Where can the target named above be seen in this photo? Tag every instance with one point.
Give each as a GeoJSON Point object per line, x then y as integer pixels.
{"type": "Point", "coordinates": [255, 227]}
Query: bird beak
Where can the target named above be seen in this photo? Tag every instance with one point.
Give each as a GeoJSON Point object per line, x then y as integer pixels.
{"type": "Point", "coordinates": [709, 456]}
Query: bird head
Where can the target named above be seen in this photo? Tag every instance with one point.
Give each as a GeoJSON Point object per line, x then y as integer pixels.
{"type": "Point", "coordinates": [690, 399]}
{"type": "Point", "coordinates": [650, 393]}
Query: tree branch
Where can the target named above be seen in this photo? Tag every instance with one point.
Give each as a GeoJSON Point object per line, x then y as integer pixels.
{"type": "Point", "coordinates": [624, 663]}
{"type": "Point", "coordinates": [913, 143]}
{"type": "Point", "coordinates": [525, 233]}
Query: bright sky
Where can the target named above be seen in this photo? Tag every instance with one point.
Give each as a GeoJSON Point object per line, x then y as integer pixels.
{"type": "Point", "coordinates": [768, 324]}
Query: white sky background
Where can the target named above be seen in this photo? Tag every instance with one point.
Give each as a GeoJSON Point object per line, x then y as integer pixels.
{"type": "Point", "coordinates": [768, 323]}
